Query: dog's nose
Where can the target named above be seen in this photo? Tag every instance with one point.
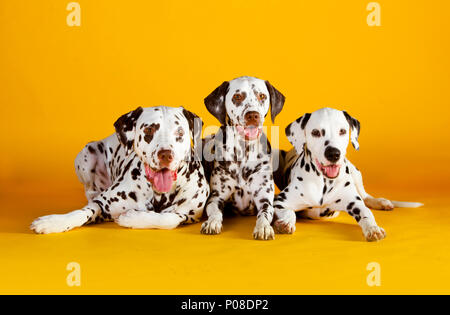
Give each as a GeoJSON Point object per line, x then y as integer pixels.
{"type": "Point", "coordinates": [252, 118]}
{"type": "Point", "coordinates": [332, 154]}
{"type": "Point", "coordinates": [165, 157]}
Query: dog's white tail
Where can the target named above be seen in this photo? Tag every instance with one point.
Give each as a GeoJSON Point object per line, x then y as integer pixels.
{"type": "Point", "coordinates": [404, 204]}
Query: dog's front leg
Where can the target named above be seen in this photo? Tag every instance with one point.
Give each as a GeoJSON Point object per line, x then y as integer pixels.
{"type": "Point", "coordinates": [263, 194]}
{"type": "Point", "coordinates": [222, 187]}
{"type": "Point", "coordinates": [186, 208]}
{"type": "Point", "coordinates": [104, 207]}
{"type": "Point", "coordinates": [355, 207]}
{"type": "Point", "coordinates": [145, 219]}
{"type": "Point", "coordinates": [286, 203]}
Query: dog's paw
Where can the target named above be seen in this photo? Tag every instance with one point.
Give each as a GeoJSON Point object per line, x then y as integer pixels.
{"type": "Point", "coordinates": [128, 219]}
{"type": "Point", "coordinates": [284, 227]}
{"type": "Point", "coordinates": [263, 231]}
{"type": "Point", "coordinates": [374, 234]}
{"type": "Point", "coordinates": [378, 203]}
{"type": "Point", "coordinates": [211, 227]}
{"type": "Point", "coordinates": [55, 223]}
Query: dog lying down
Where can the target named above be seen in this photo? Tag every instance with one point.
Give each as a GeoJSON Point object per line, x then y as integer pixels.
{"type": "Point", "coordinates": [145, 175]}
{"type": "Point", "coordinates": [319, 181]}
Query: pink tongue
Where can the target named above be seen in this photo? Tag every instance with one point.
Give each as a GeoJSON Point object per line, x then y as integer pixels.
{"type": "Point", "coordinates": [332, 170]}
{"type": "Point", "coordinates": [251, 133]}
{"type": "Point", "coordinates": [162, 180]}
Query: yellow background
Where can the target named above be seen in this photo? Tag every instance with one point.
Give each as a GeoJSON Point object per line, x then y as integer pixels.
{"type": "Point", "coordinates": [62, 86]}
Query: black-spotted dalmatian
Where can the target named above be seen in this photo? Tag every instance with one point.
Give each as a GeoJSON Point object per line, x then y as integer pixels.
{"type": "Point", "coordinates": [146, 175]}
{"type": "Point", "coordinates": [319, 181]}
{"type": "Point", "coordinates": [241, 168]}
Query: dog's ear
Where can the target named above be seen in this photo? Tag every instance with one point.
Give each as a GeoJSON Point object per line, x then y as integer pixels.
{"type": "Point", "coordinates": [126, 128]}
{"type": "Point", "coordinates": [276, 100]}
{"type": "Point", "coordinates": [295, 133]}
{"type": "Point", "coordinates": [355, 127]}
{"type": "Point", "coordinates": [195, 129]}
{"type": "Point", "coordinates": [215, 102]}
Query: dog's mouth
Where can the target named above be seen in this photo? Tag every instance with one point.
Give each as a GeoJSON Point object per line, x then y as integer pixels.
{"type": "Point", "coordinates": [162, 180]}
{"type": "Point", "coordinates": [249, 132]}
{"type": "Point", "coordinates": [331, 171]}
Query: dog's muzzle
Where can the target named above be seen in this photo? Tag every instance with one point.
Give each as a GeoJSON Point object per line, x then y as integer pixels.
{"type": "Point", "coordinates": [252, 129]}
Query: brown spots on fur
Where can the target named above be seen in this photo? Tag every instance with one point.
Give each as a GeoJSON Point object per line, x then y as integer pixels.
{"type": "Point", "coordinates": [150, 132]}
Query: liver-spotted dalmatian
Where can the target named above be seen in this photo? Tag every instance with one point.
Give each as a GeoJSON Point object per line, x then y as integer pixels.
{"type": "Point", "coordinates": [241, 171]}
{"type": "Point", "coordinates": [146, 175]}
{"type": "Point", "coordinates": [319, 181]}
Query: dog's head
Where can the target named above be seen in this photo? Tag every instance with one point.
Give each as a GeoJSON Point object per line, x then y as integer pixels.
{"type": "Point", "coordinates": [161, 138]}
{"type": "Point", "coordinates": [325, 133]}
{"type": "Point", "coordinates": [244, 103]}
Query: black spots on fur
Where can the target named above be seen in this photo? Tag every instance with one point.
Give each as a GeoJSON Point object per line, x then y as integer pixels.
{"type": "Point", "coordinates": [100, 147]}
{"type": "Point", "coordinates": [327, 213]}
{"type": "Point", "coordinates": [99, 203]}
{"type": "Point", "coordinates": [302, 162]}
{"type": "Point", "coordinates": [324, 189]}
{"type": "Point", "coordinates": [122, 195]}
{"type": "Point", "coordinates": [327, 143]}
{"type": "Point", "coordinates": [347, 170]}
{"type": "Point", "coordinates": [337, 201]}
{"type": "Point", "coordinates": [307, 167]}
{"type": "Point", "coordinates": [117, 151]}
{"type": "Point", "coordinates": [305, 120]}
{"type": "Point", "coordinates": [91, 149]}
{"type": "Point", "coordinates": [181, 201]}
{"type": "Point", "coordinates": [300, 179]}
{"type": "Point", "coordinates": [127, 167]}
{"type": "Point", "coordinates": [281, 196]}
{"type": "Point", "coordinates": [350, 205]}
{"type": "Point", "coordinates": [114, 199]}
{"type": "Point", "coordinates": [246, 173]}
{"type": "Point", "coordinates": [321, 201]}
{"type": "Point", "coordinates": [313, 167]}
{"type": "Point", "coordinates": [288, 131]}
{"type": "Point", "coordinates": [358, 198]}
{"type": "Point", "coordinates": [135, 173]}
{"type": "Point", "coordinates": [355, 213]}
{"type": "Point", "coordinates": [346, 184]}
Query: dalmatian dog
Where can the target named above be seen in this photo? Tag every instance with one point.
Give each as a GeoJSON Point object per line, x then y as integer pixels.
{"type": "Point", "coordinates": [319, 181]}
{"type": "Point", "coordinates": [240, 172]}
{"type": "Point", "coordinates": [146, 175]}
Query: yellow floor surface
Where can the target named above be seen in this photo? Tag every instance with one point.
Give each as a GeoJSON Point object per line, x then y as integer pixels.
{"type": "Point", "coordinates": [321, 257]}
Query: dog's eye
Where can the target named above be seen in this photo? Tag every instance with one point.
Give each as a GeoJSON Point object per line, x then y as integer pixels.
{"type": "Point", "coordinates": [262, 97]}
{"type": "Point", "coordinates": [180, 132]}
{"type": "Point", "coordinates": [149, 131]}
{"type": "Point", "coordinates": [315, 133]}
{"type": "Point", "coordinates": [237, 97]}
{"type": "Point", "coordinates": [342, 132]}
